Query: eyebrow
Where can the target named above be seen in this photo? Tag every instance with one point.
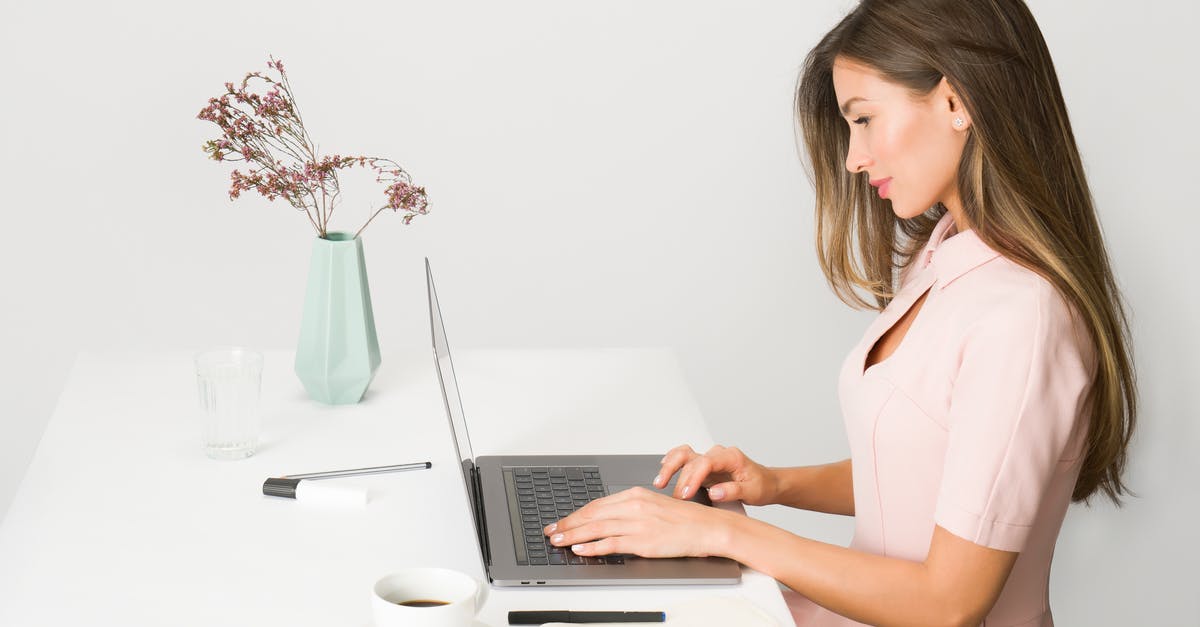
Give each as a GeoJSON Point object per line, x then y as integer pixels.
{"type": "Point", "coordinates": [846, 105]}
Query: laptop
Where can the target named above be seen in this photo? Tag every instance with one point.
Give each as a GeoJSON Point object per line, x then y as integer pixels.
{"type": "Point", "coordinates": [514, 496]}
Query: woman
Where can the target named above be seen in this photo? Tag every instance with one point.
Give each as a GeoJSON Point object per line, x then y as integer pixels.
{"type": "Point", "coordinates": [995, 386]}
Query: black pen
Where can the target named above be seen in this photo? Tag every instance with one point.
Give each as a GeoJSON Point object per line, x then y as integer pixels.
{"type": "Point", "coordinates": [564, 616]}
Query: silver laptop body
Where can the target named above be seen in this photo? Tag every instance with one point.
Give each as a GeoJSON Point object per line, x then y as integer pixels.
{"type": "Point", "coordinates": [502, 520]}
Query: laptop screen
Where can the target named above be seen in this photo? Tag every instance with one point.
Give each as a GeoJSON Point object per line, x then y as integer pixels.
{"type": "Point", "coordinates": [454, 409]}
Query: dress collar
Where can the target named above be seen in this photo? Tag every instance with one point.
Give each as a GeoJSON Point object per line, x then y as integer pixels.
{"type": "Point", "coordinates": [953, 254]}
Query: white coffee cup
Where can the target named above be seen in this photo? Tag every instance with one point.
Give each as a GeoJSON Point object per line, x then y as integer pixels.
{"type": "Point", "coordinates": [460, 594]}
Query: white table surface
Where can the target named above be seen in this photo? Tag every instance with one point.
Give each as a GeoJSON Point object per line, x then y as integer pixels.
{"type": "Point", "coordinates": [121, 519]}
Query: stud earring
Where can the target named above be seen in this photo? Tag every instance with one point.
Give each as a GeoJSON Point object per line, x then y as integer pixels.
{"type": "Point", "coordinates": [958, 122]}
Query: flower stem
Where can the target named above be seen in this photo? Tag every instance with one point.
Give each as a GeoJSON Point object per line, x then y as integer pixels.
{"type": "Point", "coordinates": [377, 212]}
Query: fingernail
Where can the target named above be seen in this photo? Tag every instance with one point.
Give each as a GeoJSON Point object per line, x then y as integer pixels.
{"type": "Point", "coordinates": [556, 538]}
{"type": "Point", "coordinates": [663, 460]}
{"type": "Point", "coordinates": [657, 479]}
{"type": "Point", "coordinates": [551, 528]}
{"type": "Point", "coordinates": [686, 489]}
{"type": "Point", "coordinates": [716, 493]}
{"type": "Point", "coordinates": [578, 548]}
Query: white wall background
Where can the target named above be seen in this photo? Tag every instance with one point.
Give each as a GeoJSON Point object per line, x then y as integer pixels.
{"type": "Point", "coordinates": [600, 174]}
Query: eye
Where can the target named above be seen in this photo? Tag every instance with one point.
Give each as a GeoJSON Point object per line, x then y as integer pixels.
{"type": "Point", "coordinates": [862, 119]}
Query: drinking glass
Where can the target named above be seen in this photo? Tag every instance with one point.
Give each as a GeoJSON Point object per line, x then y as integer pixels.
{"type": "Point", "coordinates": [229, 380]}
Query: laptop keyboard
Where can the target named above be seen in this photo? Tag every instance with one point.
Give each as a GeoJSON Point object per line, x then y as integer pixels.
{"type": "Point", "coordinates": [540, 495]}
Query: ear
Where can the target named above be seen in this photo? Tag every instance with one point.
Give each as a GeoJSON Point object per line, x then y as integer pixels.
{"type": "Point", "coordinates": [952, 105]}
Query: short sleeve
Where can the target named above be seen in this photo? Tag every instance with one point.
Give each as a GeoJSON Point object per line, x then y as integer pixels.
{"type": "Point", "coordinates": [1015, 415]}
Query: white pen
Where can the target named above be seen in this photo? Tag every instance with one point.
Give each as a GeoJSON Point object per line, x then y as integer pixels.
{"type": "Point", "coordinates": [300, 488]}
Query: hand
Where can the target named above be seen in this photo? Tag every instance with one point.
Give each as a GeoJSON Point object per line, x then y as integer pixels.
{"type": "Point", "coordinates": [643, 522]}
{"type": "Point", "coordinates": [727, 472]}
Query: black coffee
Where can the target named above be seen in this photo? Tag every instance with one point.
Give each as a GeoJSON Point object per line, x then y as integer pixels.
{"type": "Point", "coordinates": [423, 603]}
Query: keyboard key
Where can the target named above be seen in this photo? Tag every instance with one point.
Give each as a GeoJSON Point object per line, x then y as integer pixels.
{"type": "Point", "coordinates": [546, 495]}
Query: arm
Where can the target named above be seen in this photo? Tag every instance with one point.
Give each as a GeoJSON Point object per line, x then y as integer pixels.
{"type": "Point", "coordinates": [827, 488]}
{"type": "Point", "coordinates": [957, 584]}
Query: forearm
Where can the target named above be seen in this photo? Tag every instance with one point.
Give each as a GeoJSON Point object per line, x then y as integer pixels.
{"type": "Point", "coordinates": [864, 587]}
{"type": "Point", "coordinates": [827, 488]}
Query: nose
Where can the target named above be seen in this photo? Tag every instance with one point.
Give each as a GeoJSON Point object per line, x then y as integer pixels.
{"type": "Point", "coordinates": [857, 159]}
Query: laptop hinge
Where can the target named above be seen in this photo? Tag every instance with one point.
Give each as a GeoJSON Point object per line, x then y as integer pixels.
{"type": "Point", "coordinates": [480, 516]}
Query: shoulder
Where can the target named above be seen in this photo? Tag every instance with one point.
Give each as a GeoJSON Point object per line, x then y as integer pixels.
{"type": "Point", "coordinates": [1003, 290]}
{"type": "Point", "coordinates": [1004, 305]}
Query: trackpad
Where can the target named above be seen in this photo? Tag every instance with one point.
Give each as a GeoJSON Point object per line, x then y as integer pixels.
{"type": "Point", "coordinates": [701, 495]}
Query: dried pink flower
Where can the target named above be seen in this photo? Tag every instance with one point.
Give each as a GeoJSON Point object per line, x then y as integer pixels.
{"type": "Point", "coordinates": [265, 130]}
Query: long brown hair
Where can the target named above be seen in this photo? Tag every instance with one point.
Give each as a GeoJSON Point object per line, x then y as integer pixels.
{"type": "Point", "coordinates": [1021, 181]}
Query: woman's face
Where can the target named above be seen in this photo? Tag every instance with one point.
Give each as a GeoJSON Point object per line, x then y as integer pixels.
{"type": "Point", "coordinates": [914, 145]}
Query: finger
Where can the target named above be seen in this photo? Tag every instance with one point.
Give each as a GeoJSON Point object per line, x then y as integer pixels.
{"type": "Point", "coordinates": [605, 546]}
{"type": "Point", "coordinates": [590, 532]}
{"type": "Point", "coordinates": [719, 461]}
{"type": "Point", "coordinates": [692, 475]}
{"type": "Point", "coordinates": [728, 491]}
{"type": "Point", "coordinates": [673, 461]}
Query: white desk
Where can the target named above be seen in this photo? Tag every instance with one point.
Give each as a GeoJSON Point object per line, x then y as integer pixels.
{"type": "Point", "coordinates": [121, 519]}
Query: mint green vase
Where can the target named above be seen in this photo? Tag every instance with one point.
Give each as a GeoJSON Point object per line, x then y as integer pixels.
{"type": "Point", "coordinates": [338, 352]}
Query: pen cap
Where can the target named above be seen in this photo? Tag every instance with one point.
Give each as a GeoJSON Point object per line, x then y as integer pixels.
{"type": "Point", "coordinates": [281, 486]}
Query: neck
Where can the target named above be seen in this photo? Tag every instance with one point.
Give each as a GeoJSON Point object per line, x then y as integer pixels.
{"type": "Point", "coordinates": [954, 207]}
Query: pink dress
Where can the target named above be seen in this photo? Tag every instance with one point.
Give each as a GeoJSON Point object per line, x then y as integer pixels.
{"type": "Point", "coordinates": [975, 423]}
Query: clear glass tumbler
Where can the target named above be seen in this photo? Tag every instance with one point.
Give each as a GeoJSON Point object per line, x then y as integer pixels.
{"type": "Point", "coordinates": [230, 380]}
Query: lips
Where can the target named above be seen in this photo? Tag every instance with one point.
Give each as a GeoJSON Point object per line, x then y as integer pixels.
{"type": "Point", "coordinates": [883, 185]}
